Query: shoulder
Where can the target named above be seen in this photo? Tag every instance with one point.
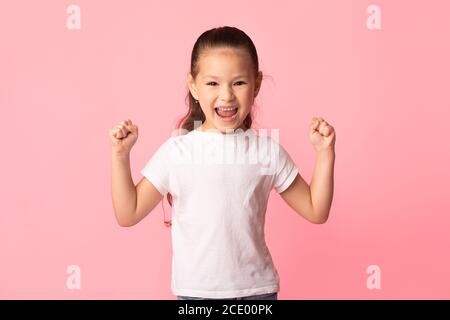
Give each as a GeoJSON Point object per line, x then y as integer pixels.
{"type": "Point", "coordinates": [177, 145]}
{"type": "Point", "coordinates": [178, 136]}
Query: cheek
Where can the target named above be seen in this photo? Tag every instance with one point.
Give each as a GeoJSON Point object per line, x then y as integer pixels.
{"type": "Point", "coordinates": [243, 94]}
{"type": "Point", "coordinates": [207, 96]}
{"type": "Point", "coordinates": [207, 110]}
{"type": "Point", "coordinates": [248, 98]}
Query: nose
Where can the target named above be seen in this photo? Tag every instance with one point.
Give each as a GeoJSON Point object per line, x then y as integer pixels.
{"type": "Point", "coordinates": [226, 94]}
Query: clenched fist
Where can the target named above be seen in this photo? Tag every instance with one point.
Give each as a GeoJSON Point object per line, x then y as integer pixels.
{"type": "Point", "coordinates": [322, 135]}
{"type": "Point", "coordinates": [123, 136]}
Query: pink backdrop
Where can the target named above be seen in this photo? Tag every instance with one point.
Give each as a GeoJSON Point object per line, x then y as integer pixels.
{"type": "Point", "coordinates": [385, 91]}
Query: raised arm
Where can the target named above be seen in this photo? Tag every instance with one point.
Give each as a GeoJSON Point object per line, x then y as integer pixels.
{"type": "Point", "coordinates": [131, 203]}
{"type": "Point", "coordinates": [314, 202]}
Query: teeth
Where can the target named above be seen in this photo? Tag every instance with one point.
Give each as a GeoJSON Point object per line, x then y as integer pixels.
{"type": "Point", "coordinates": [226, 109]}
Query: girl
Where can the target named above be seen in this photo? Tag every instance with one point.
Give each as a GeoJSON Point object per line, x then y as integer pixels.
{"type": "Point", "coordinates": [219, 201]}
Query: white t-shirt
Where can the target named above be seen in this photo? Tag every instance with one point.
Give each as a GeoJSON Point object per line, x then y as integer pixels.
{"type": "Point", "coordinates": [220, 184]}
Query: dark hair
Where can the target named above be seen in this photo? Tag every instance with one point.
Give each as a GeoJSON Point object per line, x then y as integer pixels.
{"type": "Point", "coordinates": [226, 36]}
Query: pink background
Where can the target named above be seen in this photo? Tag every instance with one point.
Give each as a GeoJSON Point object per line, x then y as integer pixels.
{"type": "Point", "coordinates": [385, 91]}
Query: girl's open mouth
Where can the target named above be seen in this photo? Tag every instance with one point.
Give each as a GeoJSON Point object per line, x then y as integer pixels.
{"type": "Point", "coordinates": [226, 113]}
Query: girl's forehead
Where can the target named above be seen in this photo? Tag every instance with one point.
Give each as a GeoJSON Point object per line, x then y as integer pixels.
{"type": "Point", "coordinates": [224, 51]}
{"type": "Point", "coordinates": [223, 59]}
{"type": "Point", "coordinates": [231, 54]}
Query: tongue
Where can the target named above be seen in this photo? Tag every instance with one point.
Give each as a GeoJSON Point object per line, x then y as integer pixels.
{"type": "Point", "coordinates": [226, 113]}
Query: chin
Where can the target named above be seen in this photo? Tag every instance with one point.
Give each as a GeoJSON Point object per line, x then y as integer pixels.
{"type": "Point", "coordinates": [229, 126]}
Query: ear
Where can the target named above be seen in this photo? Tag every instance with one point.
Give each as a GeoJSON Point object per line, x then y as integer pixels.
{"type": "Point", "coordinates": [258, 83]}
{"type": "Point", "coordinates": [191, 84]}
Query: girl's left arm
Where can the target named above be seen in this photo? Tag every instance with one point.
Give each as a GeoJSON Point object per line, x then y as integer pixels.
{"type": "Point", "coordinates": [314, 202]}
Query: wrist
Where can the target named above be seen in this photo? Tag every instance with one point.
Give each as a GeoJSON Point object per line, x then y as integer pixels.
{"type": "Point", "coordinates": [326, 153]}
{"type": "Point", "coordinates": [120, 154]}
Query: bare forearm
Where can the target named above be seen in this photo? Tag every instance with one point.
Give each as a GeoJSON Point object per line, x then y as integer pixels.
{"type": "Point", "coordinates": [322, 184]}
{"type": "Point", "coordinates": [122, 188]}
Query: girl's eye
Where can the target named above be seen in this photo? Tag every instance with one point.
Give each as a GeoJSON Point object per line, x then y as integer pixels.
{"type": "Point", "coordinates": [212, 83]}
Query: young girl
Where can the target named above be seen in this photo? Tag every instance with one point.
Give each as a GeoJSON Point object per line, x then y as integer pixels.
{"type": "Point", "coordinates": [218, 196]}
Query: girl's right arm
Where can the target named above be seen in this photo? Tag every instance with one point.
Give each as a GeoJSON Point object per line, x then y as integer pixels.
{"type": "Point", "coordinates": [131, 203]}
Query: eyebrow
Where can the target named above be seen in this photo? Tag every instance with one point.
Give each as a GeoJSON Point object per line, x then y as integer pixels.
{"type": "Point", "coordinates": [214, 77]}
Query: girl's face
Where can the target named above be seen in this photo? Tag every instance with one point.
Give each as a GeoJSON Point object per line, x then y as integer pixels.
{"type": "Point", "coordinates": [225, 87]}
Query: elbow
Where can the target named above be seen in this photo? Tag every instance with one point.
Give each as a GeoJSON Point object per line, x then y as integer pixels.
{"type": "Point", "coordinates": [319, 219]}
{"type": "Point", "coordinates": [318, 216]}
{"type": "Point", "coordinates": [125, 222]}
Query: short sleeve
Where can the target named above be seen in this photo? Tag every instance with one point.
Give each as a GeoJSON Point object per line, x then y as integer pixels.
{"type": "Point", "coordinates": [286, 170]}
{"type": "Point", "coordinates": [157, 168]}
